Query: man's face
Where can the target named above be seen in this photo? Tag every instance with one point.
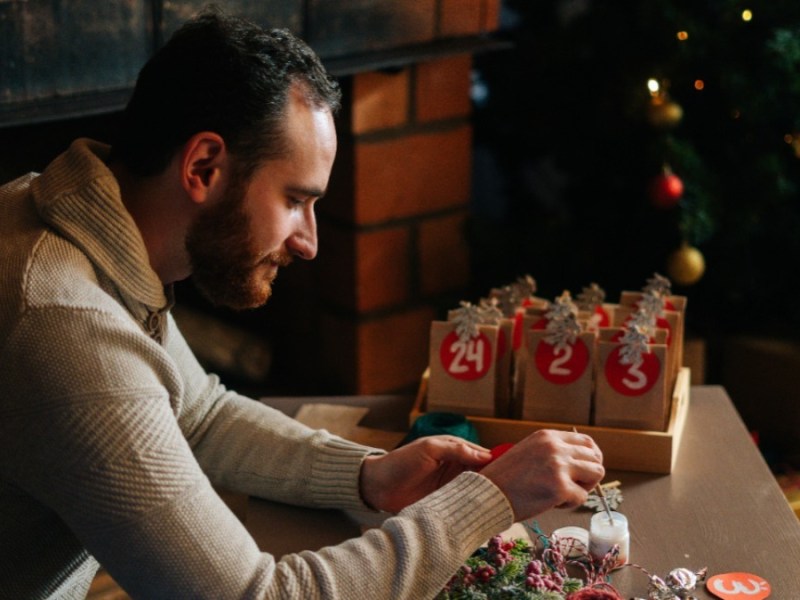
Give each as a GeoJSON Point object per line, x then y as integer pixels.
{"type": "Point", "coordinates": [237, 244]}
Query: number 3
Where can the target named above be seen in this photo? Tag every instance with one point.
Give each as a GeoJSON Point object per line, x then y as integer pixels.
{"type": "Point", "coordinates": [640, 380]}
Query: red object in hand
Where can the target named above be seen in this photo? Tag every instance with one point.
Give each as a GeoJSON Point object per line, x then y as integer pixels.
{"type": "Point", "coordinates": [666, 190]}
{"type": "Point", "coordinates": [500, 449]}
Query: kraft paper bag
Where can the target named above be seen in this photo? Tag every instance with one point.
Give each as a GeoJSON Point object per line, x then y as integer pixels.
{"type": "Point", "coordinates": [559, 381]}
{"type": "Point", "coordinates": [533, 318]}
{"type": "Point", "coordinates": [672, 303]}
{"type": "Point", "coordinates": [504, 369]}
{"type": "Point", "coordinates": [631, 396]}
{"type": "Point", "coordinates": [462, 376]}
{"type": "Point", "coordinates": [671, 323]}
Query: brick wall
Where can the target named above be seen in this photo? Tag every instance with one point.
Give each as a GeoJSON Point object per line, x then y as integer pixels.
{"type": "Point", "coordinates": [393, 253]}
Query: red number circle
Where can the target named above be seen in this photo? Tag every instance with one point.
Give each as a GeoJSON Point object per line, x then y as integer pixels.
{"type": "Point", "coordinates": [564, 366]}
{"type": "Point", "coordinates": [629, 380]}
{"type": "Point", "coordinates": [468, 360]}
{"type": "Point", "coordinates": [605, 320]}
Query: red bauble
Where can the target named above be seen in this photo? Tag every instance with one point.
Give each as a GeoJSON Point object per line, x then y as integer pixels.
{"type": "Point", "coordinates": [666, 190]}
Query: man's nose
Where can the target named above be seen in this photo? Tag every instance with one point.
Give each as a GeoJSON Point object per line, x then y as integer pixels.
{"type": "Point", "coordinates": [303, 242]}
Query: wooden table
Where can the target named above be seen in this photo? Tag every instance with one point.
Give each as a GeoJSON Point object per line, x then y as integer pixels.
{"type": "Point", "coordinates": [720, 508]}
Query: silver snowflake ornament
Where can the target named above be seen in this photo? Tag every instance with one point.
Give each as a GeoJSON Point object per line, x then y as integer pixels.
{"type": "Point", "coordinates": [659, 284]}
{"type": "Point", "coordinates": [613, 497]}
{"type": "Point", "coordinates": [466, 319]}
{"type": "Point", "coordinates": [591, 296]}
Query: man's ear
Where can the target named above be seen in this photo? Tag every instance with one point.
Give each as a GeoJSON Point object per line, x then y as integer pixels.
{"type": "Point", "coordinates": [203, 159]}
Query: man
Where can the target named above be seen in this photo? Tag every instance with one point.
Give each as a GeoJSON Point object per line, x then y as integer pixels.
{"type": "Point", "coordinates": [111, 434]}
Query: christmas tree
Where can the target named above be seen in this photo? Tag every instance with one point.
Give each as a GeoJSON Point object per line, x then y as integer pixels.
{"type": "Point", "coordinates": [619, 139]}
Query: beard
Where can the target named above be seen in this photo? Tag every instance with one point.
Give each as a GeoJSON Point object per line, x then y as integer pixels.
{"type": "Point", "coordinates": [227, 267]}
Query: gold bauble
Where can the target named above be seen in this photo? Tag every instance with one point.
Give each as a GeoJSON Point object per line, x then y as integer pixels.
{"type": "Point", "coordinates": [686, 265]}
{"type": "Point", "coordinates": [664, 113]}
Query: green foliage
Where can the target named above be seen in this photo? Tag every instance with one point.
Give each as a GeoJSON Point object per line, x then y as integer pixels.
{"type": "Point", "coordinates": [577, 152]}
{"type": "Point", "coordinates": [501, 570]}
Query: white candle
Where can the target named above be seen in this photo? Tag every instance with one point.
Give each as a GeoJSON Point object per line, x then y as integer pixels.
{"type": "Point", "coordinates": [605, 533]}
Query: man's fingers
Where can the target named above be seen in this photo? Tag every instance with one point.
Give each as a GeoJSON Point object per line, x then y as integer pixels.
{"type": "Point", "coordinates": [589, 475]}
{"type": "Point", "coordinates": [589, 455]}
{"type": "Point", "coordinates": [451, 448]}
{"type": "Point", "coordinates": [585, 441]}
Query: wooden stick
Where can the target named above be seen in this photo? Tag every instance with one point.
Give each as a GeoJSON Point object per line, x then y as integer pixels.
{"type": "Point", "coordinates": [599, 490]}
{"type": "Point", "coordinates": [600, 493]}
{"type": "Point", "coordinates": [611, 484]}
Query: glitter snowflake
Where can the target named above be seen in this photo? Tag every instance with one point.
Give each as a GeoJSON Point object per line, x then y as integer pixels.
{"type": "Point", "coordinates": [562, 308]}
{"type": "Point", "coordinates": [562, 324]}
{"type": "Point", "coordinates": [590, 297]}
{"type": "Point", "coordinates": [658, 284]}
{"type": "Point", "coordinates": [652, 303]}
{"type": "Point", "coordinates": [506, 300]}
{"type": "Point", "coordinates": [524, 287]}
{"type": "Point", "coordinates": [489, 311]}
{"type": "Point", "coordinates": [466, 319]}
{"type": "Point", "coordinates": [613, 497]}
{"type": "Point", "coordinates": [643, 320]}
{"type": "Point", "coordinates": [635, 342]}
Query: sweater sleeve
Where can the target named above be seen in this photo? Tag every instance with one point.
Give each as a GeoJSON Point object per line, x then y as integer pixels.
{"type": "Point", "coordinates": [94, 438]}
{"type": "Point", "coordinates": [246, 446]}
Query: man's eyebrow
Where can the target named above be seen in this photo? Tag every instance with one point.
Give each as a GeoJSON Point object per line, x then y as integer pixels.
{"type": "Point", "coordinates": [305, 191]}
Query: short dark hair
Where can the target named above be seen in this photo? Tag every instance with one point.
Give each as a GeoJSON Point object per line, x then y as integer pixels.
{"type": "Point", "coordinates": [223, 74]}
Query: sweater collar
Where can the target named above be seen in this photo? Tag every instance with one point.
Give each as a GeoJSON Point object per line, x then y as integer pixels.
{"type": "Point", "coordinates": [78, 196]}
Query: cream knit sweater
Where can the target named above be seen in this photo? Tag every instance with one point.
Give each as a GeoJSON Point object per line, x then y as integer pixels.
{"type": "Point", "coordinates": [111, 434]}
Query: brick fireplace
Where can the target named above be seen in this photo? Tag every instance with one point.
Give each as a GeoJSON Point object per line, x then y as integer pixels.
{"type": "Point", "coordinates": [393, 254]}
{"type": "Point", "coordinates": [392, 235]}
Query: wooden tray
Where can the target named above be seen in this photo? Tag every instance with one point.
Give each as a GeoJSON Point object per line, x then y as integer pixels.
{"type": "Point", "coordinates": [623, 449]}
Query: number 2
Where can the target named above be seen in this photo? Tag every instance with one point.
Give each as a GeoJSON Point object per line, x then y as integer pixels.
{"type": "Point", "coordinates": [556, 366]}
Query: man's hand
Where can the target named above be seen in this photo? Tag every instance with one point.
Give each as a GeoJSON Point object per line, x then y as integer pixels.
{"type": "Point", "coordinates": [547, 469]}
{"type": "Point", "coordinates": [403, 476]}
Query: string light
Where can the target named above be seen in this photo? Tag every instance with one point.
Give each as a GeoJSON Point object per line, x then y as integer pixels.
{"type": "Point", "coordinates": [683, 35]}
{"type": "Point", "coordinates": [699, 84]}
{"type": "Point", "coordinates": [747, 15]}
{"type": "Point", "coordinates": [662, 112]}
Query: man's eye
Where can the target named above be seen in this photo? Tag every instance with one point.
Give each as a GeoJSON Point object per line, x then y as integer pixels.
{"type": "Point", "coordinates": [296, 201]}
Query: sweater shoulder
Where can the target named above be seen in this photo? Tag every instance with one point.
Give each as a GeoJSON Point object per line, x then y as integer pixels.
{"type": "Point", "coordinates": [39, 266]}
{"type": "Point", "coordinates": [59, 274]}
